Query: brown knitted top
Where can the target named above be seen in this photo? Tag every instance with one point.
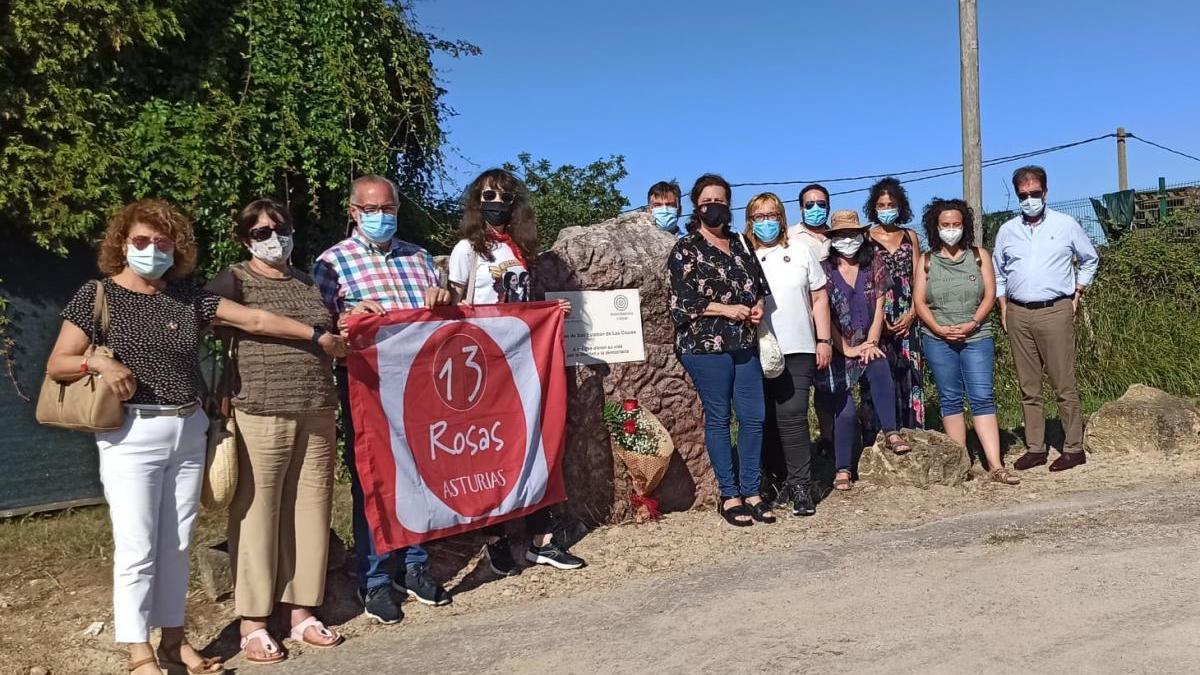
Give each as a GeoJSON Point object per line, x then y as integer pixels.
{"type": "Point", "coordinates": [276, 376]}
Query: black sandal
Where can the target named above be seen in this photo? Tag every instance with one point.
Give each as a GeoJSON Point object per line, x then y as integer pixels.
{"type": "Point", "coordinates": [760, 511]}
{"type": "Point", "coordinates": [731, 515]}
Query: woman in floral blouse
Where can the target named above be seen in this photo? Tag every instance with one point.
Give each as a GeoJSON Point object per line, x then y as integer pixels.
{"type": "Point", "coordinates": [858, 284]}
{"type": "Point", "coordinates": [888, 211]}
{"type": "Point", "coordinates": [717, 296]}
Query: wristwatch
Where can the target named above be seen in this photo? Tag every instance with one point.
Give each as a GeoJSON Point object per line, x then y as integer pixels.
{"type": "Point", "coordinates": [316, 336]}
{"type": "Point", "coordinates": [824, 341]}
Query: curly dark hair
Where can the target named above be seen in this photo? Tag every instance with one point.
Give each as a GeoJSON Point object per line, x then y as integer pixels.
{"type": "Point", "coordinates": [935, 208]}
{"type": "Point", "coordinates": [892, 188]}
{"type": "Point", "coordinates": [707, 180]}
{"type": "Point", "coordinates": [159, 215]}
{"type": "Point", "coordinates": [522, 228]}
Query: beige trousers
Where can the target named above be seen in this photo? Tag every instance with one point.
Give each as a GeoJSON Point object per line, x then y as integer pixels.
{"type": "Point", "coordinates": [279, 518]}
{"type": "Point", "coordinates": [1043, 340]}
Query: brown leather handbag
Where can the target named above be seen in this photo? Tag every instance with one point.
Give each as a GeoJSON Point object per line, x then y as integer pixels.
{"type": "Point", "coordinates": [86, 404]}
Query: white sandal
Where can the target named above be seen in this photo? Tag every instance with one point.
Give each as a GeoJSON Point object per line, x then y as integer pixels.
{"type": "Point", "coordinates": [274, 653]}
{"type": "Point", "coordinates": [301, 628]}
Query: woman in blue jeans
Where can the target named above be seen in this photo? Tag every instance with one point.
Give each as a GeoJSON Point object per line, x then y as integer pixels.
{"type": "Point", "coordinates": [954, 292]}
{"type": "Point", "coordinates": [717, 295]}
{"type": "Point", "coordinates": [857, 284]}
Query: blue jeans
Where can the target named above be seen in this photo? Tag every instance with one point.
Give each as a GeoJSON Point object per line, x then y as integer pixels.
{"type": "Point", "coordinates": [372, 567]}
{"type": "Point", "coordinates": [720, 378]}
{"type": "Point", "coordinates": [959, 365]}
{"type": "Point", "coordinates": [840, 404]}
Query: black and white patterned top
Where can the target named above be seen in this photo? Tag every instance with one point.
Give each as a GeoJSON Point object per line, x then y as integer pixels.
{"type": "Point", "coordinates": [157, 337]}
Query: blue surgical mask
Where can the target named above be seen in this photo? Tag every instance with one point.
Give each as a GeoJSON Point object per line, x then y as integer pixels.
{"type": "Point", "coordinates": [766, 230]}
{"type": "Point", "coordinates": [887, 216]}
{"type": "Point", "coordinates": [666, 217]}
{"type": "Point", "coordinates": [149, 263]}
{"type": "Point", "coordinates": [815, 216]}
{"type": "Point", "coordinates": [378, 227]}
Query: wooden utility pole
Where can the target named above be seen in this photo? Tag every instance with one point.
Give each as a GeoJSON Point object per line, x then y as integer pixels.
{"type": "Point", "coordinates": [968, 48]}
{"type": "Point", "coordinates": [1122, 170]}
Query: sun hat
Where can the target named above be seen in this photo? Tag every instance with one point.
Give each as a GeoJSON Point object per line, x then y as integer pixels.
{"type": "Point", "coordinates": [845, 221]}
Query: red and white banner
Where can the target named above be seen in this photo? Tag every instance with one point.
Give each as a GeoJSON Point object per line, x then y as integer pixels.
{"type": "Point", "coordinates": [459, 415]}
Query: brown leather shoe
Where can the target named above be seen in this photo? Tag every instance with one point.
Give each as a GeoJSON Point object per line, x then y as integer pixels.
{"type": "Point", "coordinates": [1068, 460]}
{"type": "Point", "coordinates": [1029, 460]}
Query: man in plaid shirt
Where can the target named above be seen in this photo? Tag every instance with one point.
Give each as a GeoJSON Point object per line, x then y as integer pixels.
{"type": "Point", "coordinates": [374, 272]}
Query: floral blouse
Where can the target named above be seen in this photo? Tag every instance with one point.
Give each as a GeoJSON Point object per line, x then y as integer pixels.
{"type": "Point", "coordinates": [852, 309]}
{"type": "Point", "coordinates": [702, 273]}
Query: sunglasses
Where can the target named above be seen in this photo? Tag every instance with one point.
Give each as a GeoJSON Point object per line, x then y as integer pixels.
{"type": "Point", "coordinates": [1035, 194]}
{"type": "Point", "coordinates": [164, 244]}
{"type": "Point", "coordinates": [264, 232]}
{"type": "Point", "coordinates": [495, 195]}
{"type": "Point", "coordinates": [822, 204]}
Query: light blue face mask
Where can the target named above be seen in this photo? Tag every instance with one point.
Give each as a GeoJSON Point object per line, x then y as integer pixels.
{"type": "Point", "coordinates": [887, 216]}
{"type": "Point", "coordinates": [378, 227]}
{"type": "Point", "coordinates": [666, 217]}
{"type": "Point", "coordinates": [766, 230]}
{"type": "Point", "coordinates": [149, 263]}
{"type": "Point", "coordinates": [815, 216]}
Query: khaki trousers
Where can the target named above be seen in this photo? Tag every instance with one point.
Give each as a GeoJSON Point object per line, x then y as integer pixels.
{"type": "Point", "coordinates": [279, 518]}
{"type": "Point", "coordinates": [1043, 340]}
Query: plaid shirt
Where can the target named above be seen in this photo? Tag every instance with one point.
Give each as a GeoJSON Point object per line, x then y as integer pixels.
{"type": "Point", "coordinates": [354, 270]}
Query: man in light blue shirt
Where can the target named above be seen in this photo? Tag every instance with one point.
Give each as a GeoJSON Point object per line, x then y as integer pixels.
{"type": "Point", "coordinates": [1039, 288]}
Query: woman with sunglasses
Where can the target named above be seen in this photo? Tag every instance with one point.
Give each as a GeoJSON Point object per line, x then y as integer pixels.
{"type": "Point", "coordinates": [717, 297]}
{"type": "Point", "coordinates": [858, 283]}
{"type": "Point", "coordinates": [152, 467]}
{"type": "Point", "coordinates": [797, 311]}
{"type": "Point", "coordinates": [490, 265]}
{"type": "Point", "coordinates": [285, 406]}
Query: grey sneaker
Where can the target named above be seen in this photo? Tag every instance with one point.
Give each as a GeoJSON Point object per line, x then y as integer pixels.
{"type": "Point", "coordinates": [420, 584]}
{"type": "Point", "coordinates": [379, 605]}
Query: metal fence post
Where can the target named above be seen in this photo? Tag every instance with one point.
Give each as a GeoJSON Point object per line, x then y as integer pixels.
{"type": "Point", "coordinates": [1162, 199]}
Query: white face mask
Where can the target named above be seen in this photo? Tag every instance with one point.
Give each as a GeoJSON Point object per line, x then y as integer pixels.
{"type": "Point", "coordinates": [1032, 207]}
{"type": "Point", "coordinates": [847, 246]}
{"type": "Point", "coordinates": [950, 236]}
{"type": "Point", "coordinates": [272, 251]}
{"type": "Point", "coordinates": [149, 263]}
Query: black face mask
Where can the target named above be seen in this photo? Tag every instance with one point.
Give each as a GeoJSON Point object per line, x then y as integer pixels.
{"type": "Point", "coordinates": [496, 214]}
{"type": "Point", "coordinates": [715, 214]}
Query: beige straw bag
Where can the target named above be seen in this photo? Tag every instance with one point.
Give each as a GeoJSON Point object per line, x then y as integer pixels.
{"type": "Point", "coordinates": [221, 463]}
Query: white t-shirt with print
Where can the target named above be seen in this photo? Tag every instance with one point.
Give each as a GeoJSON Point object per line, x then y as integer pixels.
{"type": "Point", "coordinates": [502, 279]}
{"type": "Point", "coordinates": [792, 274]}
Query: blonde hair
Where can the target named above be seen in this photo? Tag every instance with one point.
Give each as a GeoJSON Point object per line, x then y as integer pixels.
{"type": "Point", "coordinates": [758, 200]}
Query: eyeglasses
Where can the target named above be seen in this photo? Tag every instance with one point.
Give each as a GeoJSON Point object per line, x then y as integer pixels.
{"type": "Point", "coordinates": [759, 217]}
{"type": "Point", "coordinates": [496, 195]}
{"type": "Point", "coordinates": [1035, 194]}
{"type": "Point", "coordinates": [264, 232]}
{"type": "Point", "coordinates": [376, 208]}
{"type": "Point", "coordinates": [823, 204]}
{"type": "Point", "coordinates": [164, 244]}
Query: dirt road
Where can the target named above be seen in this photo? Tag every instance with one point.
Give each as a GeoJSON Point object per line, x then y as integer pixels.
{"type": "Point", "coordinates": [1104, 581]}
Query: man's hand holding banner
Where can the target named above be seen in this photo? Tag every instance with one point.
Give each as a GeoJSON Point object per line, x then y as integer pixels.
{"type": "Point", "coordinates": [459, 415]}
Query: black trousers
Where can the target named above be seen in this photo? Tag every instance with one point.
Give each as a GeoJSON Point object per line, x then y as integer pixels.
{"type": "Point", "coordinates": [787, 446]}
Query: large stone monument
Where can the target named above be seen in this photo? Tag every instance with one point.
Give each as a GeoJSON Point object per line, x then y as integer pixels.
{"type": "Point", "coordinates": [626, 252]}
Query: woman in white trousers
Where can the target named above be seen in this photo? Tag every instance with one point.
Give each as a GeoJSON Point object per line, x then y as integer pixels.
{"type": "Point", "coordinates": [152, 466]}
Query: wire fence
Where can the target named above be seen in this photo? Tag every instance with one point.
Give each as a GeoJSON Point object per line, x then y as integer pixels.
{"type": "Point", "coordinates": [1150, 206]}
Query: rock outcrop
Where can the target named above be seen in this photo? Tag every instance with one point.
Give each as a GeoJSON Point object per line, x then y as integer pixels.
{"type": "Point", "coordinates": [626, 252]}
{"type": "Point", "coordinates": [935, 460]}
{"type": "Point", "coordinates": [1145, 420]}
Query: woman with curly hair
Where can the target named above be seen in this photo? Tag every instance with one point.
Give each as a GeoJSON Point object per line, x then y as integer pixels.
{"type": "Point", "coordinates": [152, 467]}
{"type": "Point", "coordinates": [888, 211]}
{"type": "Point", "coordinates": [954, 293]}
{"type": "Point", "coordinates": [488, 266]}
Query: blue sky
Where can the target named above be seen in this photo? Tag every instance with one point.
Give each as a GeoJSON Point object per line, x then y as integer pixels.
{"type": "Point", "coordinates": [792, 90]}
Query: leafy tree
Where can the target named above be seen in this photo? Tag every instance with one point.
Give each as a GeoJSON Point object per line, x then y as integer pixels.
{"type": "Point", "coordinates": [209, 104]}
{"type": "Point", "coordinates": [570, 195]}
